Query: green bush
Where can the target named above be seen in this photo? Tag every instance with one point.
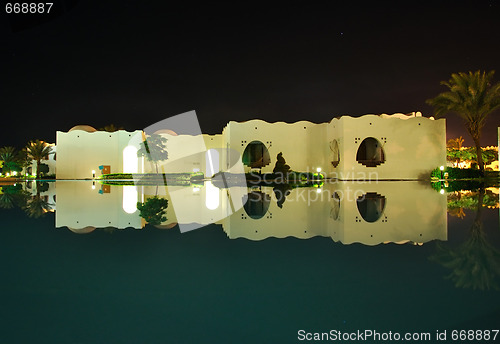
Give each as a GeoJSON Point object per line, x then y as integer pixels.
{"type": "Point", "coordinates": [456, 173]}
{"type": "Point", "coordinates": [153, 210]}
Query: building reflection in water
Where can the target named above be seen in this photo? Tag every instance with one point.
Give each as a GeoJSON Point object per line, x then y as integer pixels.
{"type": "Point", "coordinates": [348, 212]}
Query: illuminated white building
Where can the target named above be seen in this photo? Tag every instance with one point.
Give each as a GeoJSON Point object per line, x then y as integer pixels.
{"type": "Point", "coordinates": [368, 147]}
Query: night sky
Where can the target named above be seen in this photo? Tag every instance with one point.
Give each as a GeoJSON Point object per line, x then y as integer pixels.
{"type": "Point", "coordinates": [133, 63]}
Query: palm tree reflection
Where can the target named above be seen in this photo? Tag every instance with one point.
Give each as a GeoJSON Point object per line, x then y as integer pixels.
{"type": "Point", "coordinates": [34, 205]}
{"type": "Point", "coordinates": [474, 264]}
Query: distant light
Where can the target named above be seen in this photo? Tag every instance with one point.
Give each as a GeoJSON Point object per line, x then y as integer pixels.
{"type": "Point", "coordinates": [196, 189]}
{"type": "Point", "coordinates": [93, 187]}
{"type": "Point", "coordinates": [441, 168]}
{"type": "Point", "coordinates": [441, 192]}
{"type": "Point", "coordinates": [318, 169]}
{"type": "Point", "coordinates": [15, 173]}
{"type": "Point", "coordinates": [93, 171]}
{"type": "Point", "coordinates": [196, 170]}
{"type": "Point", "coordinates": [318, 191]}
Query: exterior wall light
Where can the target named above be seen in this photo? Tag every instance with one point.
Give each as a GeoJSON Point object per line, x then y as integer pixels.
{"type": "Point", "coordinates": [318, 169]}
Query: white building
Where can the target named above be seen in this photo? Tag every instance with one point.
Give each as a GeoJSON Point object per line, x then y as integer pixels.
{"type": "Point", "coordinates": [369, 147]}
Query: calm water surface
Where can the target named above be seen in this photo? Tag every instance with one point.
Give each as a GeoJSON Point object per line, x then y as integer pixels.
{"type": "Point", "coordinates": [163, 286]}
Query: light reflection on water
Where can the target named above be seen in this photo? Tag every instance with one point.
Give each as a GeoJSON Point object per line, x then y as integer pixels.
{"type": "Point", "coordinates": [349, 212]}
{"type": "Point", "coordinates": [189, 286]}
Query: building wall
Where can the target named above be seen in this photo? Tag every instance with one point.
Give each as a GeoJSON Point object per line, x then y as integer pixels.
{"type": "Point", "coordinates": [187, 153]}
{"type": "Point", "coordinates": [79, 152]}
{"type": "Point", "coordinates": [412, 147]}
{"type": "Point", "coordinates": [302, 143]}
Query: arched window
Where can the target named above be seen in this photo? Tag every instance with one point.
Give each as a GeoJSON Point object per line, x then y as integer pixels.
{"type": "Point", "coordinates": [130, 160]}
{"type": "Point", "coordinates": [257, 204]}
{"type": "Point", "coordinates": [371, 205]}
{"type": "Point", "coordinates": [256, 155]}
{"type": "Point", "coordinates": [370, 153]}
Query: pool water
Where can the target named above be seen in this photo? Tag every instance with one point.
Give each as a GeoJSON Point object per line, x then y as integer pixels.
{"type": "Point", "coordinates": [163, 286]}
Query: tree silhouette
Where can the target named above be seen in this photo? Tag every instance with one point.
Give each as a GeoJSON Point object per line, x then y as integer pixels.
{"type": "Point", "coordinates": [153, 148]}
{"type": "Point", "coordinates": [472, 97]}
{"type": "Point", "coordinates": [36, 206]}
{"type": "Point", "coordinates": [38, 150]}
{"type": "Point", "coordinates": [153, 210]}
{"type": "Point", "coordinates": [476, 263]}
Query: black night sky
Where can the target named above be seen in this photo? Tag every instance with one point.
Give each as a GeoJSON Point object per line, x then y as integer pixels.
{"type": "Point", "coordinates": [133, 63]}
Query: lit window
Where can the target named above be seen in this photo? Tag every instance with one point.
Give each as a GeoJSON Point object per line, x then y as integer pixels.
{"type": "Point", "coordinates": [211, 196]}
{"type": "Point", "coordinates": [130, 160]}
{"type": "Point", "coordinates": [212, 162]}
{"type": "Point", "coordinates": [129, 199]}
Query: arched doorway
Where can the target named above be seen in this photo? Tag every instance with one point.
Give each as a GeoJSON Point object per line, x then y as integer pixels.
{"type": "Point", "coordinates": [256, 155]}
{"type": "Point", "coordinates": [257, 204]}
{"type": "Point", "coordinates": [371, 205]}
{"type": "Point", "coordinates": [370, 153]}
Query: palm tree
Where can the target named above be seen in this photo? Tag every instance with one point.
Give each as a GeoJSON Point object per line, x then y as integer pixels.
{"type": "Point", "coordinates": [475, 263]}
{"type": "Point", "coordinates": [24, 160]}
{"type": "Point", "coordinates": [38, 150]}
{"type": "Point", "coordinates": [13, 195]}
{"type": "Point", "coordinates": [9, 157]}
{"type": "Point", "coordinates": [472, 97]}
{"type": "Point", "coordinates": [37, 206]}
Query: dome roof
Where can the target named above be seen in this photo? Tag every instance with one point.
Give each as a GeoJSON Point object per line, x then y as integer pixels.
{"type": "Point", "coordinates": [168, 226]}
{"type": "Point", "coordinates": [83, 230]}
{"type": "Point", "coordinates": [83, 127]}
